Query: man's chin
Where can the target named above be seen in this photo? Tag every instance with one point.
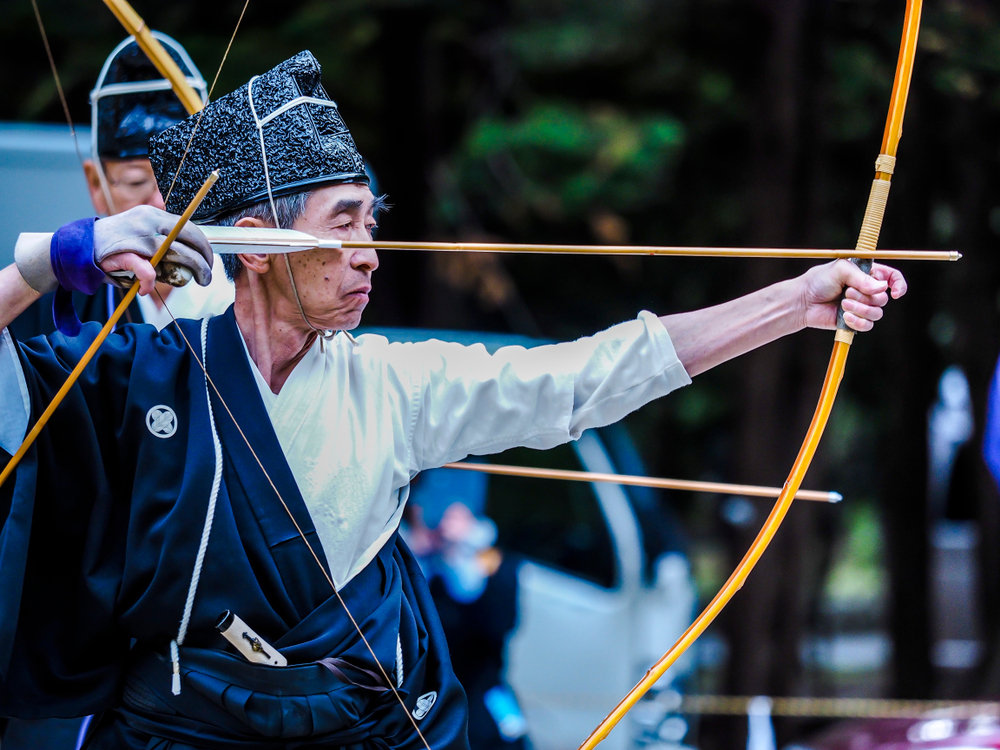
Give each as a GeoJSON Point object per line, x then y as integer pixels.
{"type": "Point", "coordinates": [342, 320]}
{"type": "Point", "coordinates": [350, 324]}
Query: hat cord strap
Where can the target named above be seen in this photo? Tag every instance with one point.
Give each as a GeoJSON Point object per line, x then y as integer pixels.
{"type": "Point", "coordinates": [324, 334]}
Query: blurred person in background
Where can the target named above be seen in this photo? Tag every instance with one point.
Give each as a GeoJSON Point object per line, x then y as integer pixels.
{"type": "Point", "coordinates": [474, 587]}
{"type": "Point", "coordinates": [991, 430]}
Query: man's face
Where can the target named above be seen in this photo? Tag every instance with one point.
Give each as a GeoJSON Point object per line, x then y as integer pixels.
{"type": "Point", "coordinates": [334, 285]}
{"type": "Point", "coordinates": [131, 183]}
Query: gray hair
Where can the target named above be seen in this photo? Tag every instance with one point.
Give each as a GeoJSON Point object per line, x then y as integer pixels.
{"type": "Point", "coordinates": [288, 209]}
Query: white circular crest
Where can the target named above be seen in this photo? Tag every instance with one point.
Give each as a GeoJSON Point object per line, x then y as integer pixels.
{"type": "Point", "coordinates": [424, 704]}
{"type": "Point", "coordinates": [161, 421]}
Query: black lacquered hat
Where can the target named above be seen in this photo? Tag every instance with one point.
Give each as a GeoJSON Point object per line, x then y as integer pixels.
{"type": "Point", "coordinates": [281, 128]}
{"type": "Point", "coordinates": [132, 101]}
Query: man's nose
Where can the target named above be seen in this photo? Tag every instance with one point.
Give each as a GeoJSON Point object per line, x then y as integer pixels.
{"type": "Point", "coordinates": [156, 200]}
{"type": "Point", "coordinates": [365, 259]}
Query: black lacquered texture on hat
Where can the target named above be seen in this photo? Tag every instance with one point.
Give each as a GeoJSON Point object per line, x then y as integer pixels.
{"type": "Point", "coordinates": [306, 145]}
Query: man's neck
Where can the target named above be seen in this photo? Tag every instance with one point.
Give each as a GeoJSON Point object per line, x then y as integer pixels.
{"type": "Point", "coordinates": [276, 342]}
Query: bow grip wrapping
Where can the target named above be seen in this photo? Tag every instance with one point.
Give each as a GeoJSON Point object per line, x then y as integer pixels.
{"type": "Point", "coordinates": [871, 225]}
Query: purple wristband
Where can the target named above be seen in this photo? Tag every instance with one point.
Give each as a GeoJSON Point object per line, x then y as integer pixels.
{"type": "Point", "coordinates": [71, 253]}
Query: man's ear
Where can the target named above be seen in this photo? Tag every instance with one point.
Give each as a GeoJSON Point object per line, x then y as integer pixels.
{"type": "Point", "coordinates": [259, 263]}
{"type": "Point", "coordinates": [251, 221]}
{"type": "Point", "coordinates": [97, 196]}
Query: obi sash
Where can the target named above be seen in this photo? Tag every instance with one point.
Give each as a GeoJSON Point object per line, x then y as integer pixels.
{"type": "Point", "coordinates": [337, 699]}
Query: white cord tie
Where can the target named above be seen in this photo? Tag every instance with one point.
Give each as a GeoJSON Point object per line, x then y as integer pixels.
{"type": "Point", "coordinates": [175, 685]}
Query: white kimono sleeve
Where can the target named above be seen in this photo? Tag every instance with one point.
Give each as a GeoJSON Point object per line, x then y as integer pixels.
{"type": "Point", "coordinates": [467, 402]}
{"type": "Point", "coordinates": [15, 406]}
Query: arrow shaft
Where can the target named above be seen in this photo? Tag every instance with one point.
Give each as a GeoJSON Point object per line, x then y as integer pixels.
{"type": "Point", "coordinates": [655, 250]}
{"type": "Point", "coordinates": [685, 485]}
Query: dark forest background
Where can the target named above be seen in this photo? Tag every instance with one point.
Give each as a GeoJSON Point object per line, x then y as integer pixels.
{"type": "Point", "coordinates": [702, 122]}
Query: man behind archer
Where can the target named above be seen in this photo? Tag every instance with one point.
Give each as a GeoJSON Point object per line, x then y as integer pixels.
{"type": "Point", "coordinates": [131, 102]}
{"type": "Point", "coordinates": [163, 500]}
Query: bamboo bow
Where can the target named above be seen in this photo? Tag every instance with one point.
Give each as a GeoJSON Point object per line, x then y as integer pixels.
{"type": "Point", "coordinates": [867, 241]}
{"type": "Point", "coordinates": [163, 62]}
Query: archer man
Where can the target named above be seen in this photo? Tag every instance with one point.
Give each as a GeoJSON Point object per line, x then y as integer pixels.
{"type": "Point", "coordinates": [210, 558]}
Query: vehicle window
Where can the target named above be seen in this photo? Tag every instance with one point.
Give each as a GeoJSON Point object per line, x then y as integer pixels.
{"type": "Point", "coordinates": [557, 523]}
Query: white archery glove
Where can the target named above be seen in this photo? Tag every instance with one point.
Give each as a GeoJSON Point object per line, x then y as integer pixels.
{"type": "Point", "coordinates": [71, 257]}
{"type": "Point", "coordinates": [141, 230]}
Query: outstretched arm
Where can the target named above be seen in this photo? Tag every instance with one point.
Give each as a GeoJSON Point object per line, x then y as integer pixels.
{"type": "Point", "coordinates": [707, 337]}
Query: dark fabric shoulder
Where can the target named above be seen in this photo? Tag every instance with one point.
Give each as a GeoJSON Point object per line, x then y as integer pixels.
{"type": "Point", "coordinates": [37, 319]}
{"type": "Point", "coordinates": [67, 519]}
